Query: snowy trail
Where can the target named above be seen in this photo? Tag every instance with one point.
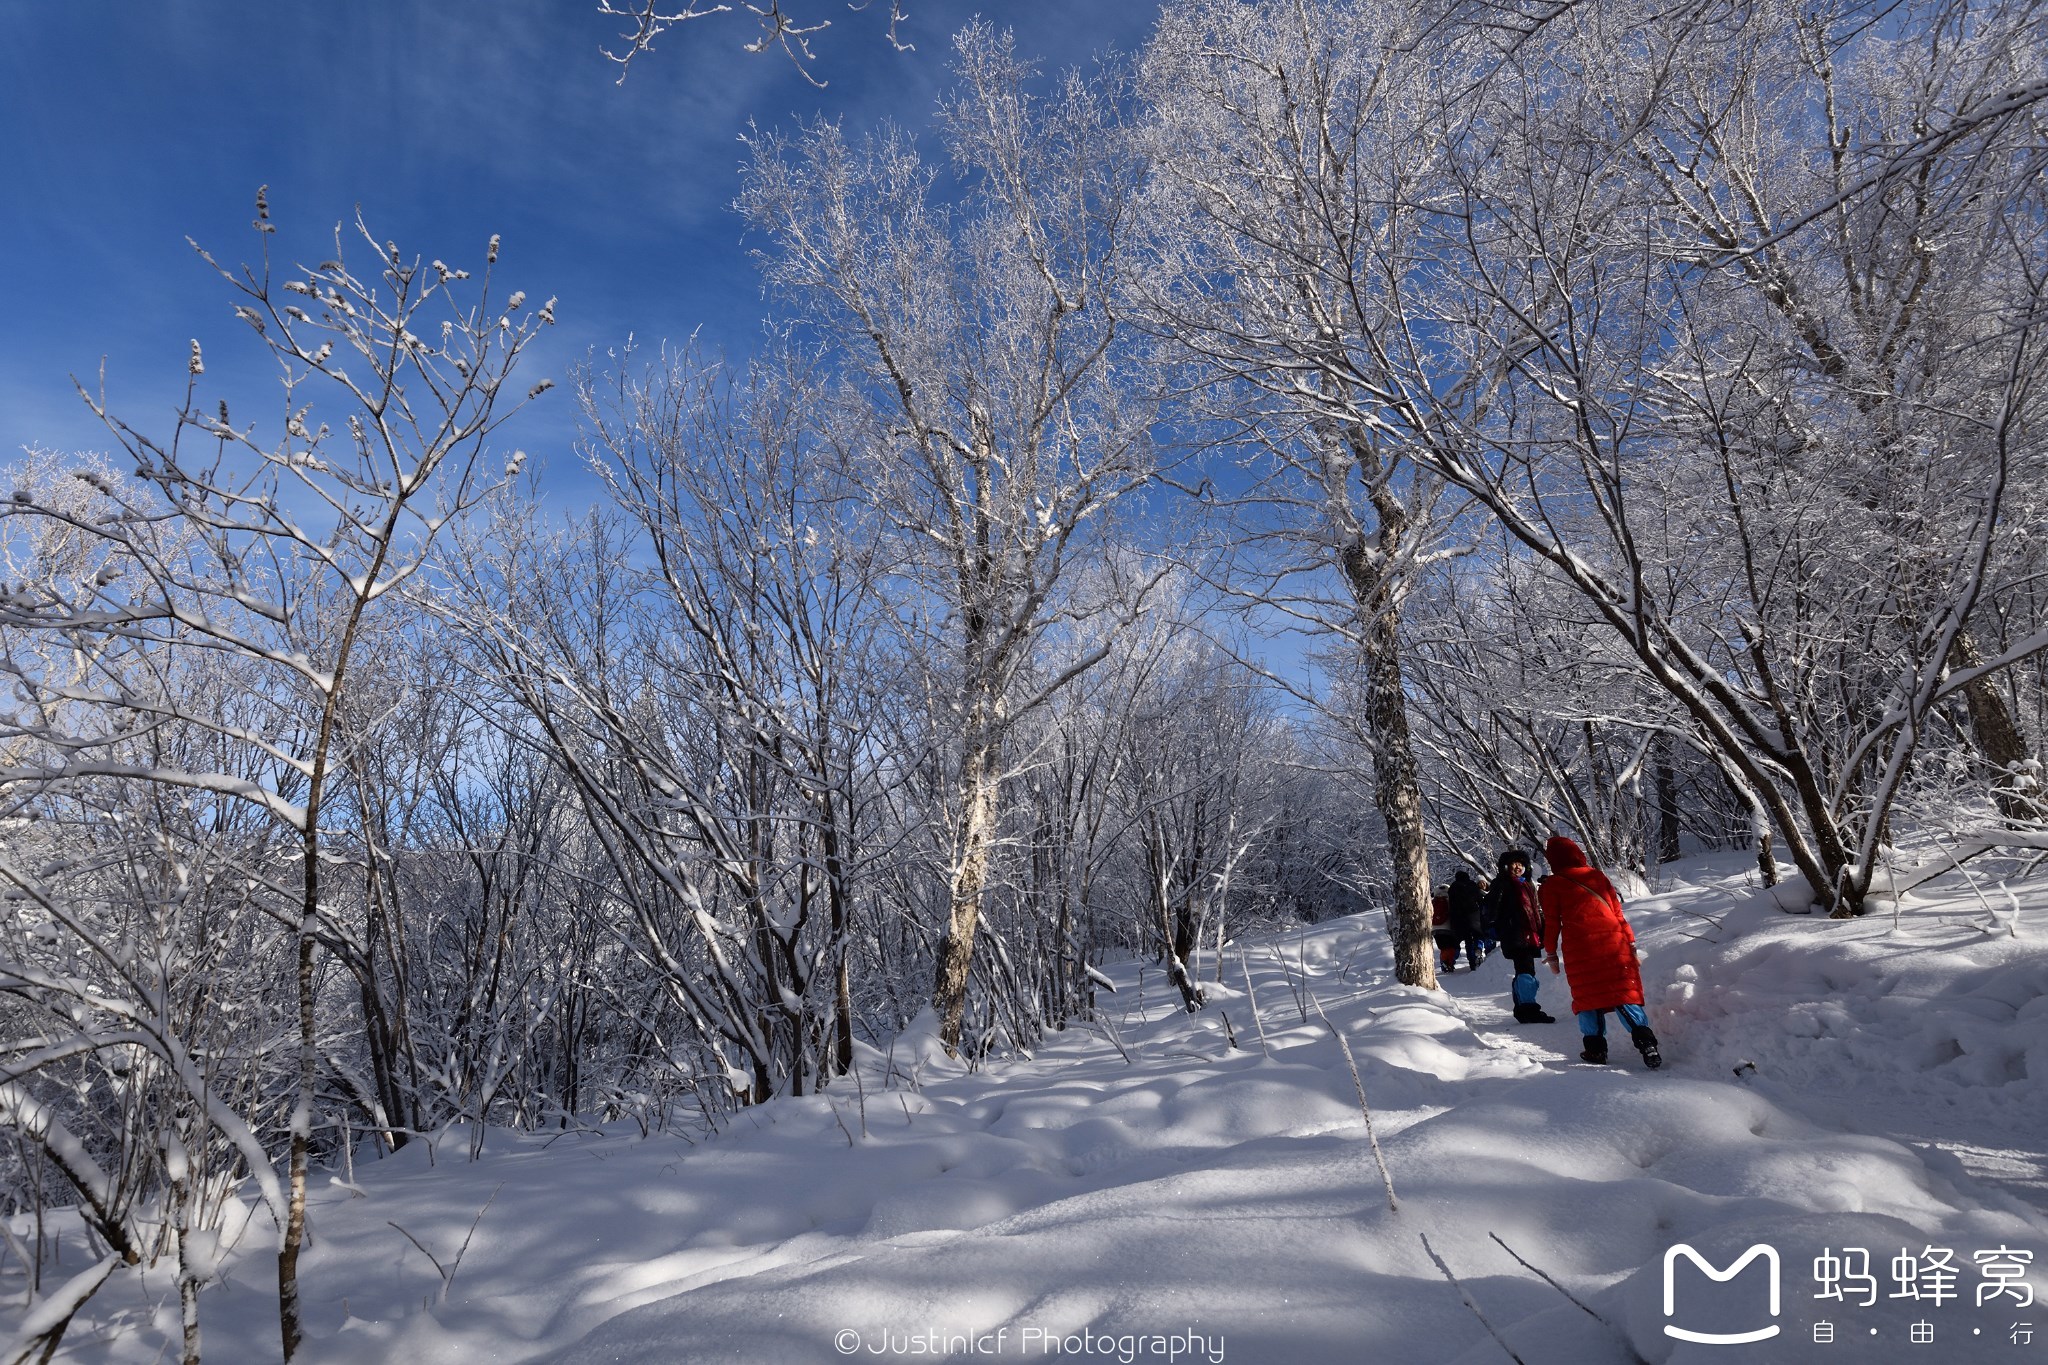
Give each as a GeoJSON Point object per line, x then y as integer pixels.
{"type": "Point", "coordinates": [1480, 998]}
{"type": "Point", "coordinates": [1935, 1035]}
{"type": "Point", "coordinates": [1199, 1202]}
{"type": "Point", "coordinates": [1990, 1138]}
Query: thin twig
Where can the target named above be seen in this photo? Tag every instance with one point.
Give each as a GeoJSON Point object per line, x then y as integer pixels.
{"type": "Point", "coordinates": [423, 1250]}
{"type": "Point", "coordinates": [1109, 1031]}
{"type": "Point", "coordinates": [1253, 997]}
{"type": "Point", "coordinates": [447, 1273]}
{"type": "Point", "coordinates": [1588, 1310]}
{"type": "Point", "coordinates": [1386, 1177]}
{"type": "Point", "coordinates": [860, 1091]}
{"type": "Point", "coordinates": [1523, 1261]}
{"type": "Point", "coordinates": [464, 1248]}
{"type": "Point", "coordinates": [1302, 992]}
{"type": "Point", "coordinates": [1470, 1302]}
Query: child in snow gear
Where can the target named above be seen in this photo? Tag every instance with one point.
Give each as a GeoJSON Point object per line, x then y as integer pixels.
{"type": "Point", "coordinates": [1440, 928]}
{"type": "Point", "coordinates": [1466, 911]}
{"type": "Point", "coordinates": [1518, 927]}
{"type": "Point", "coordinates": [1582, 913]}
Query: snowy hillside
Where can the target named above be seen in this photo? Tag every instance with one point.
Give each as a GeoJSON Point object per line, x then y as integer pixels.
{"type": "Point", "coordinates": [1150, 1193]}
{"type": "Point", "coordinates": [601, 608]}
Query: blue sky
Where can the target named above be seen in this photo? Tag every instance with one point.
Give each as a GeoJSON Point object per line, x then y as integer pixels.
{"type": "Point", "coordinates": [131, 124]}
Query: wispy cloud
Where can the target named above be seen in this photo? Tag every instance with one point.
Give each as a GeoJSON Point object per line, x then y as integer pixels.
{"type": "Point", "coordinates": [445, 122]}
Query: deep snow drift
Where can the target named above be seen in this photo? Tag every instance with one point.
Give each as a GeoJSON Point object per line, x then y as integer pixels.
{"type": "Point", "coordinates": [1144, 1192]}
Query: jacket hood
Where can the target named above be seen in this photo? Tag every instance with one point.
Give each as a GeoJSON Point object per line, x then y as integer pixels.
{"type": "Point", "coordinates": [1514, 855]}
{"type": "Point", "coordinates": [1563, 855]}
{"type": "Point", "coordinates": [1463, 876]}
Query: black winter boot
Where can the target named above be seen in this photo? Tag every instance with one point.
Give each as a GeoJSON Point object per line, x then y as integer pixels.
{"type": "Point", "coordinates": [1646, 1043]}
{"type": "Point", "coordinates": [1532, 1013]}
{"type": "Point", "coordinates": [1594, 1049]}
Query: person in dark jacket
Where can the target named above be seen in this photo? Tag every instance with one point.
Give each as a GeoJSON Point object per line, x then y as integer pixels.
{"type": "Point", "coordinates": [1583, 916]}
{"type": "Point", "coordinates": [1518, 928]}
{"type": "Point", "coordinates": [1440, 927]}
{"type": "Point", "coordinates": [1466, 911]}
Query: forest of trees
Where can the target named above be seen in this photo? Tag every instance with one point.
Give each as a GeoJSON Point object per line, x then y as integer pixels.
{"type": "Point", "coordinates": [1226, 488]}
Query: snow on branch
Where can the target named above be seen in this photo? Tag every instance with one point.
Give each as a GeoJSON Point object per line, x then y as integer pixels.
{"type": "Point", "coordinates": [649, 19]}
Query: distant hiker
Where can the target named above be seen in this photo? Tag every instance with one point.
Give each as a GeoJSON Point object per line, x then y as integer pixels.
{"type": "Point", "coordinates": [1466, 910]}
{"type": "Point", "coordinates": [1583, 912]}
{"type": "Point", "coordinates": [1440, 927]}
{"type": "Point", "coordinates": [1518, 927]}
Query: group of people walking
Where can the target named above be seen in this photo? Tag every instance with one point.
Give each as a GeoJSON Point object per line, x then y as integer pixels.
{"type": "Point", "coordinates": [1573, 920]}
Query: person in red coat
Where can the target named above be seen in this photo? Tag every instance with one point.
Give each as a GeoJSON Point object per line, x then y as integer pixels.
{"type": "Point", "coordinates": [1582, 913]}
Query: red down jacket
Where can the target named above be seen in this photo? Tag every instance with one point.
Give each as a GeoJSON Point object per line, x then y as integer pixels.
{"type": "Point", "coordinates": [1583, 909]}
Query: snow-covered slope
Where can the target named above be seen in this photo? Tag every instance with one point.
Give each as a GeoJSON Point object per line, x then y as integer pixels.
{"type": "Point", "coordinates": [1930, 1026]}
{"type": "Point", "coordinates": [1146, 1192]}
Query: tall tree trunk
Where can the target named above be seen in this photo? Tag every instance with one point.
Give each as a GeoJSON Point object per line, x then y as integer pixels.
{"type": "Point", "coordinates": [1066, 965]}
{"type": "Point", "coordinates": [1667, 800]}
{"type": "Point", "coordinates": [1372, 568]}
{"type": "Point", "coordinates": [978, 784]}
{"type": "Point", "coordinates": [288, 1320]}
{"type": "Point", "coordinates": [1178, 934]}
{"type": "Point", "coordinates": [1185, 942]}
{"type": "Point", "coordinates": [1760, 822]}
{"type": "Point", "coordinates": [1171, 938]}
{"type": "Point", "coordinates": [1397, 792]}
{"type": "Point", "coordinates": [1998, 737]}
{"type": "Point", "coordinates": [189, 1272]}
{"type": "Point", "coordinates": [836, 895]}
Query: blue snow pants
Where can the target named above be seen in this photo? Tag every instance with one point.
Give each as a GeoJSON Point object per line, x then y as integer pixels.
{"type": "Point", "coordinates": [1524, 988]}
{"type": "Point", "coordinates": [1593, 1025]}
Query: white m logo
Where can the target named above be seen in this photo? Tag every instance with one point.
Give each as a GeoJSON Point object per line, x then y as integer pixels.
{"type": "Point", "coordinates": [1763, 1249]}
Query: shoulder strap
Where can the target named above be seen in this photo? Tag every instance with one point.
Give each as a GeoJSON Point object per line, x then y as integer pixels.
{"type": "Point", "coordinates": [1602, 888]}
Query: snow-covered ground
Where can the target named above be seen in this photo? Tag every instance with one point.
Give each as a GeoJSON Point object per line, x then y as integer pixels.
{"type": "Point", "coordinates": [1146, 1192]}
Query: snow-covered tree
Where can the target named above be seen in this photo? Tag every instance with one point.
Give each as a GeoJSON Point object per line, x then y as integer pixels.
{"type": "Point", "coordinates": [1633, 284]}
{"type": "Point", "coordinates": [976, 321]}
{"type": "Point", "coordinates": [270, 556]}
{"type": "Point", "coordinates": [1290, 143]}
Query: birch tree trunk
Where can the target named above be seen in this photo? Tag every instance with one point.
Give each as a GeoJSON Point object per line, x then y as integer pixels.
{"type": "Point", "coordinates": [980, 771]}
{"type": "Point", "coordinates": [1397, 790]}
